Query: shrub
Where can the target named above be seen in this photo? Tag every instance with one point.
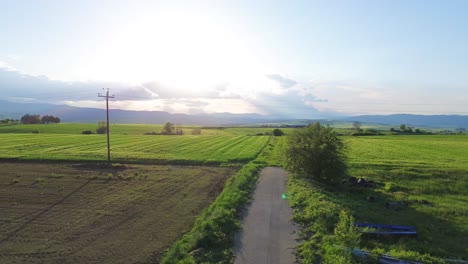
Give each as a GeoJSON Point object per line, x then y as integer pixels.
{"type": "Point", "coordinates": [316, 152]}
{"type": "Point", "coordinates": [87, 132]}
{"type": "Point", "coordinates": [168, 129]}
{"type": "Point", "coordinates": [101, 130]}
{"type": "Point", "coordinates": [102, 127]}
{"type": "Point", "coordinates": [196, 131]}
{"type": "Point", "coordinates": [35, 131]}
{"type": "Point", "coordinates": [152, 133]}
{"type": "Point", "coordinates": [278, 132]}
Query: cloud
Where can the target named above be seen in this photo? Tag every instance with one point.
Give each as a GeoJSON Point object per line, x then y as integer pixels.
{"type": "Point", "coordinates": [20, 86]}
{"type": "Point", "coordinates": [283, 81]}
{"type": "Point", "coordinates": [6, 66]}
{"type": "Point", "coordinates": [271, 94]}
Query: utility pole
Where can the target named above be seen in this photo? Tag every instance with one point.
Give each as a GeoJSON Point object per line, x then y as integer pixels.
{"type": "Point", "coordinates": [107, 96]}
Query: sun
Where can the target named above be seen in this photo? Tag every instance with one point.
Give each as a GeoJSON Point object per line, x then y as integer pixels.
{"type": "Point", "coordinates": [186, 50]}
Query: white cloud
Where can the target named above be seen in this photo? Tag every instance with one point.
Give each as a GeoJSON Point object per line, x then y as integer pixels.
{"type": "Point", "coordinates": [6, 66]}
{"type": "Point", "coordinates": [264, 94]}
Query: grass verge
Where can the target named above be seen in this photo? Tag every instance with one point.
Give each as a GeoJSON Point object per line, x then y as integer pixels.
{"type": "Point", "coordinates": [317, 210]}
{"type": "Point", "coordinates": [212, 237]}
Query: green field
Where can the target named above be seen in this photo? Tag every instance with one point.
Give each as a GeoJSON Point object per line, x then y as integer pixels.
{"type": "Point", "coordinates": [130, 129]}
{"type": "Point", "coordinates": [407, 169]}
{"type": "Point", "coordinates": [132, 148]}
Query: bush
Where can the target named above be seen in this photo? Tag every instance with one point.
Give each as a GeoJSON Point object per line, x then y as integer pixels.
{"type": "Point", "coordinates": [278, 132]}
{"type": "Point", "coordinates": [87, 132]}
{"type": "Point", "coordinates": [35, 131]}
{"type": "Point", "coordinates": [152, 133]}
{"type": "Point", "coordinates": [196, 131]}
{"type": "Point", "coordinates": [101, 130]}
{"type": "Point", "coordinates": [168, 129]}
{"type": "Point", "coordinates": [316, 152]}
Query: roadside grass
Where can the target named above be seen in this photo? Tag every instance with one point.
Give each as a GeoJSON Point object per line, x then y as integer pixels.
{"type": "Point", "coordinates": [68, 213]}
{"type": "Point", "coordinates": [211, 240]}
{"type": "Point", "coordinates": [428, 174]}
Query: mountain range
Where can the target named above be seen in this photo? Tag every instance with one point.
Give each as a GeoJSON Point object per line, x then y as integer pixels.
{"type": "Point", "coordinates": [92, 115]}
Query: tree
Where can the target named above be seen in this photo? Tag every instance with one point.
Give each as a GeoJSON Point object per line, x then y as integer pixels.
{"type": "Point", "coordinates": [179, 131]}
{"type": "Point", "coordinates": [102, 127]}
{"type": "Point", "coordinates": [402, 127]}
{"type": "Point", "coordinates": [278, 132]}
{"type": "Point", "coordinates": [47, 119]}
{"type": "Point", "coordinates": [316, 152]}
{"type": "Point", "coordinates": [196, 131]}
{"type": "Point", "coordinates": [357, 125]}
{"type": "Point", "coordinates": [168, 129]}
{"type": "Point", "coordinates": [31, 119]}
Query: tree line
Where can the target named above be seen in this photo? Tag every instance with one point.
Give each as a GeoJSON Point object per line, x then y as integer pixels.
{"type": "Point", "coordinates": [37, 119]}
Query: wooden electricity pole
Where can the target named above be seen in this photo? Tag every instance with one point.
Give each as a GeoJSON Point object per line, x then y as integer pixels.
{"type": "Point", "coordinates": [107, 96]}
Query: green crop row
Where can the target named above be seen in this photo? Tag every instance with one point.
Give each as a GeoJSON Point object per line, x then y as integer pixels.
{"type": "Point", "coordinates": [131, 129]}
{"type": "Point", "coordinates": [131, 148]}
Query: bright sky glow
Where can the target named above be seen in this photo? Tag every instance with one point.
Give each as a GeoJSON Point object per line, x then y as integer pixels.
{"type": "Point", "coordinates": [294, 58]}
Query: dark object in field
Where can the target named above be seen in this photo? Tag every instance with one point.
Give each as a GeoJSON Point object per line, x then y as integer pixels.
{"type": "Point", "coordinates": [421, 202]}
{"type": "Point", "coordinates": [386, 230]}
{"type": "Point", "coordinates": [362, 182]}
{"type": "Point", "coordinates": [384, 259]}
{"type": "Point", "coordinates": [394, 205]}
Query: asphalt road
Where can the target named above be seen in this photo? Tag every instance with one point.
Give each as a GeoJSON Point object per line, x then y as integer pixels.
{"type": "Point", "coordinates": [268, 234]}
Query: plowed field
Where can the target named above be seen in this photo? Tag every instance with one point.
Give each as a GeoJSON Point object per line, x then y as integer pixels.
{"type": "Point", "coordinates": [65, 213]}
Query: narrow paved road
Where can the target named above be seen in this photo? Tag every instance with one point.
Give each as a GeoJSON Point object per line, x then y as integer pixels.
{"type": "Point", "coordinates": [268, 234]}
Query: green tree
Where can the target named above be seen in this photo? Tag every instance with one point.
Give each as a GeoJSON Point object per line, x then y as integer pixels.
{"type": "Point", "coordinates": [278, 132]}
{"type": "Point", "coordinates": [316, 152]}
{"type": "Point", "coordinates": [102, 127]}
{"type": "Point", "coordinates": [357, 125]}
{"type": "Point", "coordinates": [168, 129]}
{"type": "Point", "coordinates": [402, 127]}
{"type": "Point", "coordinates": [47, 119]}
{"type": "Point", "coordinates": [31, 119]}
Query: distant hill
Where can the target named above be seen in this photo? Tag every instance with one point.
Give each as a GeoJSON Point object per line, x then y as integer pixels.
{"type": "Point", "coordinates": [92, 115]}
{"type": "Point", "coordinates": [440, 121]}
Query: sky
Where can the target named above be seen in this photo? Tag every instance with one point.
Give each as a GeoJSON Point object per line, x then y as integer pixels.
{"type": "Point", "coordinates": [301, 59]}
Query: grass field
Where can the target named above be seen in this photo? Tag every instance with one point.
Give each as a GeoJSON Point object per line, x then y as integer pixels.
{"type": "Point", "coordinates": [408, 169]}
{"type": "Point", "coordinates": [130, 129]}
{"type": "Point", "coordinates": [132, 148]}
{"type": "Point", "coordinates": [64, 213]}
